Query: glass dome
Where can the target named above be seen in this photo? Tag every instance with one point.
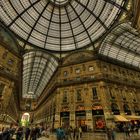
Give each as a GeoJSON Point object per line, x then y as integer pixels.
{"type": "Point", "coordinates": [60, 25]}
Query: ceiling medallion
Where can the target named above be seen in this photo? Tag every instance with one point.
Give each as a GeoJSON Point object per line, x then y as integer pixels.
{"type": "Point", "coordinates": [60, 2]}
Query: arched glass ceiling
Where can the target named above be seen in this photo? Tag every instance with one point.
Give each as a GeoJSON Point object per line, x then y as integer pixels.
{"type": "Point", "coordinates": [38, 68]}
{"type": "Point", "coordinates": [122, 44]}
{"type": "Point", "coordinates": [60, 25]}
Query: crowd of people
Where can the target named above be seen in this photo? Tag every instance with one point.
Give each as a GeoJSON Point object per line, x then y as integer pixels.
{"type": "Point", "coordinates": [129, 129]}
{"type": "Point", "coordinates": [39, 133]}
{"type": "Point", "coordinates": [26, 133]}
{"type": "Point", "coordinates": [63, 133]}
{"type": "Point", "coordinates": [69, 133]}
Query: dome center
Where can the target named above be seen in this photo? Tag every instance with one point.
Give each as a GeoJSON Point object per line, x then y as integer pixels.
{"type": "Point", "coordinates": [60, 2]}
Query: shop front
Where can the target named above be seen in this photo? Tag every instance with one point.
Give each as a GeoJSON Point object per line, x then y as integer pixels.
{"type": "Point", "coordinates": [64, 118]}
{"type": "Point", "coordinates": [98, 118]}
{"type": "Point", "coordinates": [115, 109]}
{"type": "Point", "coordinates": [126, 109]}
{"type": "Point", "coordinates": [81, 119]}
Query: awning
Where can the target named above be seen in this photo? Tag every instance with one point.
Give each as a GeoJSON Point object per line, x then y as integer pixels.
{"type": "Point", "coordinates": [119, 118]}
{"type": "Point", "coordinates": [132, 117]}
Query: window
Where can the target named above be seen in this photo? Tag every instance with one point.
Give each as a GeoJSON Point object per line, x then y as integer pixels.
{"type": "Point", "coordinates": [126, 109]}
{"type": "Point", "coordinates": [90, 68]}
{"type": "Point", "coordinates": [115, 109]}
{"type": "Point", "coordinates": [123, 95]}
{"type": "Point", "coordinates": [114, 70]}
{"type": "Point", "coordinates": [5, 54]}
{"type": "Point", "coordinates": [78, 78]}
{"type": "Point", "coordinates": [71, 69]}
{"type": "Point", "coordinates": [79, 97]}
{"type": "Point", "coordinates": [111, 94]}
{"type": "Point", "coordinates": [84, 67]}
{"type": "Point", "coordinates": [92, 76]}
{"type": "Point", "coordinates": [94, 93]}
{"type": "Point", "coordinates": [65, 73]}
{"type": "Point", "coordinates": [1, 88]}
{"type": "Point", "coordinates": [10, 62]}
{"type": "Point", "coordinates": [134, 100]}
{"type": "Point", "coordinates": [65, 97]}
{"type": "Point", "coordinates": [77, 71]}
{"type": "Point", "coordinates": [104, 68]}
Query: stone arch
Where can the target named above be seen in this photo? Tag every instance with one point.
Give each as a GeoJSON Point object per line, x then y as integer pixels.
{"type": "Point", "coordinates": [115, 109]}
{"type": "Point", "coordinates": [25, 119]}
{"type": "Point", "coordinates": [127, 109]}
{"type": "Point", "coordinates": [136, 108]}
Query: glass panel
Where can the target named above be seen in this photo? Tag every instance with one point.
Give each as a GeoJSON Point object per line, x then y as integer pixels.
{"type": "Point", "coordinates": [122, 44]}
{"type": "Point", "coordinates": [37, 71]}
{"type": "Point", "coordinates": [60, 25]}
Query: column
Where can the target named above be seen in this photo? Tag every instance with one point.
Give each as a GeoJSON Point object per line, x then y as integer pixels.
{"type": "Point", "coordinates": [88, 107]}
{"type": "Point", "coordinates": [57, 112]}
{"type": "Point", "coordinates": [72, 107]}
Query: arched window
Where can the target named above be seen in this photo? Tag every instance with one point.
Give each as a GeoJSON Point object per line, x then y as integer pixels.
{"type": "Point", "coordinates": [65, 98]}
{"type": "Point", "coordinates": [115, 109]}
{"type": "Point", "coordinates": [126, 109]}
{"type": "Point", "coordinates": [25, 119]}
{"type": "Point", "coordinates": [137, 110]}
{"type": "Point", "coordinates": [79, 96]}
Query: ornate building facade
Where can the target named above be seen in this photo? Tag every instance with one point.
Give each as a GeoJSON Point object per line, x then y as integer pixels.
{"type": "Point", "coordinates": [90, 92]}
{"type": "Point", "coordinates": [10, 62]}
{"type": "Point", "coordinates": [79, 65]}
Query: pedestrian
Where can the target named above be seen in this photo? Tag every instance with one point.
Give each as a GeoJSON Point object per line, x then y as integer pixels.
{"type": "Point", "coordinates": [70, 132]}
{"type": "Point", "coordinates": [19, 134]}
{"type": "Point", "coordinates": [76, 133]}
{"type": "Point", "coordinates": [27, 133]}
{"type": "Point", "coordinates": [80, 131]}
{"type": "Point", "coordinates": [113, 133]}
{"type": "Point", "coordinates": [108, 131]}
{"type": "Point", "coordinates": [60, 133]}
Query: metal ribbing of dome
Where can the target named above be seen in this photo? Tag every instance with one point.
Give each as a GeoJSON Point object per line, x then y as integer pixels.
{"type": "Point", "coordinates": [122, 44]}
{"type": "Point", "coordinates": [60, 25]}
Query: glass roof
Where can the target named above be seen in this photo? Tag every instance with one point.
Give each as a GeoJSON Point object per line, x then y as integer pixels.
{"type": "Point", "coordinates": [60, 25]}
{"type": "Point", "coordinates": [122, 44]}
{"type": "Point", "coordinates": [38, 68]}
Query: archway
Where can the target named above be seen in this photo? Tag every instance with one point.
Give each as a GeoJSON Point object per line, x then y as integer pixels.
{"type": "Point", "coordinates": [126, 109]}
{"type": "Point", "coordinates": [115, 109]}
{"type": "Point", "coordinates": [137, 110]}
{"type": "Point", "coordinates": [25, 119]}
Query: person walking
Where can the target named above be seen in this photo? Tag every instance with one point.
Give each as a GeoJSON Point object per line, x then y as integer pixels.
{"type": "Point", "coordinates": [27, 133]}
{"type": "Point", "coordinates": [70, 132]}
{"type": "Point", "coordinates": [80, 131]}
{"type": "Point", "coordinates": [19, 134]}
{"type": "Point", "coordinates": [108, 131]}
{"type": "Point", "coordinates": [76, 133]}
{"type": "Point", "coordinates": [113, 134]}
{"type": "Point", "coordinates": [60, 133]}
